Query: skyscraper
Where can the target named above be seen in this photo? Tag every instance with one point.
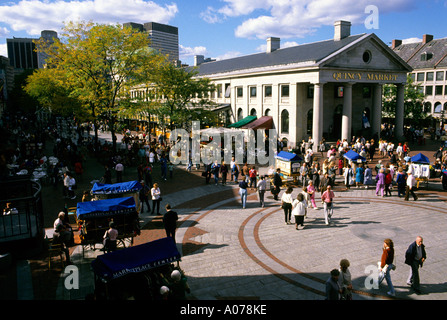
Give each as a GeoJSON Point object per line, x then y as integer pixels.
{"type": "Point", "coordinates": [164, 38]}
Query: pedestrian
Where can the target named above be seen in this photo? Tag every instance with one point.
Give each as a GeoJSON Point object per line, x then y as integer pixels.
{"type": "Point", "coordinates": [311, 192]}
{"type": "Point", "coordinates": [156, 198]}
{"type": "Point", "coordinates": [119, 168]}
{"type": "Point", "coordinates": [170, 169]}
{"type": "Point", "coordinates": [243, 192]}
{"type": "Point", "coordinates": [252, 173]}
{"type": "Point", "coordinates": [324, 182]}
{"type": "Point", "coordinates": [316, 175]}
{"type": "Point", "coordinates": [444, 177]}
{"type": "Point", "coordinates": [368, 179]}
{"type": "Point", "coordinates": [163, 166]}
{"type": "Point", "coordinates": [277, 183]}
{"type": "Point", "coordinates": [286, 204]}
{"type": "Point", "coordinates": [235, 171]}
{"type": "Point", "coordinates": [380, 182]}
{"type": "Point", "coordinates": [388, 182]}
{"type": "Point", "coordinates": [411, 182]}
{"type": "Point", "coordinates": [261, 186]}
{"type": "Point", "coordinates": [224, 172]}
{"type": "Point", "coordinates": [345, 280]}
{"type": "Point", "coordinates": [333, 290]}
{"type": "Point", "coordinates": [299, 210]}
{"type": "Point", "coordinates": [107, 175]}
{"type": "Point", "coordinates": [71, 187]}
{"type": "Point", "coordinates": [215, 168]}
{"type": "Point", "coordinates": [245, 172]}
{"type": "Point", "coordinates": [66, 182]}
{"type": "Point", "coordinates": [304, 172]}
{"type": "Point", "coordinates": [348, 174]}
{"type": "Point", "coordinates": [143, 195]}
{"type": "Point", "coordinates": [401, 179]}
{"type": "Point", "coordinates": [415, 257]}
{"type": "Point", "coordinates": [170, 219]}
{"type": "Point", "coordinates": [327, 199]}
{"type": "Point", "coordinates": [110, 237]}
{"type": "Point", "coordinates": [386, 265]}
{"type": "Point", "coordinates": [359, 175]}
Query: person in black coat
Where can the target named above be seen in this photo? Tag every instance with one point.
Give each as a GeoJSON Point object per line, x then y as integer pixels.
{"type": "Point", "coordinates": [415, 257]}
{"type": "Point", "coordinates": [277, 182]}
{"type": "Point", "coordinates": [170, 221]}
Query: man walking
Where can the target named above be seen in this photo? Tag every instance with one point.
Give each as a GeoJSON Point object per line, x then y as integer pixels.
{"type": "Point", "coordinates": [170, 221]}
{"type": "Point", "coordinates": [327, 199]}
{"type": "Point", "coordinates": [411, 182]}
{"type": "Point", "coordinates": [119, 172]}
{"type": "Point", "coordinates": [415, 257]}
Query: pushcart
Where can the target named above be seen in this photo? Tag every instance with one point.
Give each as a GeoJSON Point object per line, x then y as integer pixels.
{"type": "Point", "coordinates": [93, 218]}
{"type": "Point", "coordinates": [136, 272]}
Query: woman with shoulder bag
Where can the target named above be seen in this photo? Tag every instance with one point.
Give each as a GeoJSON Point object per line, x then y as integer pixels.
{"type": "Point", "coordinates": [286, 204]}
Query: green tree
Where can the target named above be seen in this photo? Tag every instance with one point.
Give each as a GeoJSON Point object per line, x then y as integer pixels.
{"type": "Point", "coordinates": [96, 62]}
{"type": "Point", "coordinates": [413, 101]}
{"type": "Point", "coordinates": [182, 96]}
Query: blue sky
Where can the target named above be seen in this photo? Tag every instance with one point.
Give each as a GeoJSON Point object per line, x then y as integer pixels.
{"type": "Point", "coordinates": [221, 29]}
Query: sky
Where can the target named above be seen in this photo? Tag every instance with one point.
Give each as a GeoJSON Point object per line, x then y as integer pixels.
{"type": "Point", "coordinates": [221, 29]}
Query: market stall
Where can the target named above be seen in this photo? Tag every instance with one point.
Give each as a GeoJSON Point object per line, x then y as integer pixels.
{"type": "Point", "coordinates": [420, 168]}
{"type": "Point", "coordinates": [289, 164]}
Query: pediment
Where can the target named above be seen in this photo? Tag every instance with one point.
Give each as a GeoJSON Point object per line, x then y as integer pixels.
{"type": "Point", "coordinates": [369, 53]}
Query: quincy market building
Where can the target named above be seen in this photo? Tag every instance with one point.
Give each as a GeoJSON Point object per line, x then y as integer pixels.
{"type": "Point", "coordinates": [322, 89]}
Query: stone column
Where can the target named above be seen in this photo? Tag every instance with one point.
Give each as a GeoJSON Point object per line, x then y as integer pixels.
{"type": "Point", "coordinates": [376, 116]}
{"type": "Point", "coordinates": [317, 123]}
{"type": "Point", "coordinates": [346, 122]}
{"type": "Point", "coordinates": [399, 124]}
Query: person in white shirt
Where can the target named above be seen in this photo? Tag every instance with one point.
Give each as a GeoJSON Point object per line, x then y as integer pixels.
{"type": "Point", "coordinates": [286, 204]}
{"type": "Point", "coordinates": [110, 237]}
{"type": "Point", "coordinates": [411, 182]}
{"type": "Point", "coordinates": [299, 210]}
{"type": "Point", "coordinates": [119, 168]}
{"type": "Point", "coordinates": [261, 186]}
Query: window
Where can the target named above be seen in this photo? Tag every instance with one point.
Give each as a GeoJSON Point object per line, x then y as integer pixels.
{"type": "Point", "coordinates": [267, 112]}
{"type": "Point", "coordinates": [284, 121]}
{"type": "Point", "coordinates": [440, 76]}
{"type": "Point", "coordinates": [430, 76]}
{"type": "Point", "coordinates": [253, 112]}
{"type": "Point", "coordinates": [426, 56]}
{"type": "Point", "coordinates": [367, 56]}
{"type": "Point", "coordinates": [429, 90]}
{"type": "Point", "coordinates": [421, 76]}
{"type": "Point", "coordinates": [310, 91]}
{"type": "Point", "coordinates": [267, 91]}
{"type": "Point", "coordinates": [427, 107]}
{"type": "Point", "coordinates": [239, 92]}
{"type": "Point", "coordinates": [413, 77]}
{"type": "Point", "coordinates": [438, 107]}
{"type": "Point", "coordinates": [219, 90]}
{"type": "Point", "coordinates": [252, 92]}
{"type": "Point", "coordinates": [227, 90]}
{"type": "Point", "coordinates": [240, 114]}
{"type": "Point", "coordinates": [438, 90]}
{"type": "Point", "coordinates": [285, 90]}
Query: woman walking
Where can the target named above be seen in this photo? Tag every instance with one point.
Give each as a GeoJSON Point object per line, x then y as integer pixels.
{"type": "Point", "coordinates": [156, 198]}
{"type": "Point", "coordinates": [311, 191]}
{"type": "Point", "coordinates": [286, 204]}
{"type": "Point", "coordinates": [380, 182]}
{"type": "Point", "coordinates": [386, 265]}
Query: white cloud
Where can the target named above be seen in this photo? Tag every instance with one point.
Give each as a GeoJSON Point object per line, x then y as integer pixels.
{"type": "Point", "coordinates": [186, 52]}
{"type": "Point", "coordinates": [229, 55]}
{"type": "Point", "coordinates": [4, 32]}
{"type": "Point", "coordinates": [3, 50]}
{"type": "Point", "coordinates": [411, 40]}
{"type": "Point", "coordinates": [298, 18]}
{"type": "Point", "coordinates": [33, 16]}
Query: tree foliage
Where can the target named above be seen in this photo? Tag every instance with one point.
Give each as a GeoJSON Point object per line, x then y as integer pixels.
{"type": "Point", "coordinates": [413, 101]}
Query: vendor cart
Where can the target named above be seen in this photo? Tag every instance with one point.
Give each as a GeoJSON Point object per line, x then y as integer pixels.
{"type": "Point", "coordinates": [137, 272]}
{"type": "Point", "coordinates": [101, 191]}
{"type": "Point", "coordinates": [289, 164]}
{"type": "Point", "coordinates": [420, 167]}
{"type": "Point", "coordinates": [93, 218]}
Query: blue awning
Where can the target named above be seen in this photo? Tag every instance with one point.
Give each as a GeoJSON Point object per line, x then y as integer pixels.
{"type": "Point", "coordinates": [136, 259]}
{"type": "Point", "coordinates": [420, 158]}
{"type": "Point", "coordinates": [105, 208]}
{"type": "Point", "coordinates": [130, 186]}
{"type": "Point", "coordinates": [288, 156]}
{"type": "Point", "coordinates": [354, 156]}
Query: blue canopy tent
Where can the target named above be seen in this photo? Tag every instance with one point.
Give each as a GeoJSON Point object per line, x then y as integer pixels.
{"type": "Point", "coordinates": [136, 259]}
{"type": "Point", "coordinates": [354, 156]}
{"type": "Point", "coordinates": [420, 158]}
{"type": "Point", "coordinates": [105, 208]}
{"type": "Point", "coordinates": [116, 188]}
{"type": "Point", "coordinates": [288, 156]}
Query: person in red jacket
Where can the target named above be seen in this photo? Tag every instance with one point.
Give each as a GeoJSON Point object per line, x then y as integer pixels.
{"type": "Point", "coordinates": [386, 265]}
{"type": "Point", "coordinates": [388, 182]}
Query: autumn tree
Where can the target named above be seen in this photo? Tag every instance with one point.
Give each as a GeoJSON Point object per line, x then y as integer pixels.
{"type": "Point", "coordinates": [95, 61]}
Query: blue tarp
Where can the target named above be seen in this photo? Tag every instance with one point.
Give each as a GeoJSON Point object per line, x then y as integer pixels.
{"type": "Point", "coordinates": [420, 158]}
{"type": "Point", "coordinates": [136, 259]}
{"type": "Point", "coordinates": [288, 156]}
{"type": "Point", "coordinates": [353, 156]}
{"type": "Point", "coordinates": [105, 208]}
{"type": "Point", "coordinates": [130, 186]}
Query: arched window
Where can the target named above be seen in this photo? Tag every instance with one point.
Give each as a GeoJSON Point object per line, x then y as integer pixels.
{"type": "Point", "coordinates": [445, 106]}
{"type": "Point", "coordinates": [285, 121]}
{"type": "Point", "coordinates": [267, 112]}
{"type": "Point", "coordinates": [438, 107]}
{"type": "Point", "coordinates": [240, 114]}
{"type": "Point", "coordinates": [253, 112]}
